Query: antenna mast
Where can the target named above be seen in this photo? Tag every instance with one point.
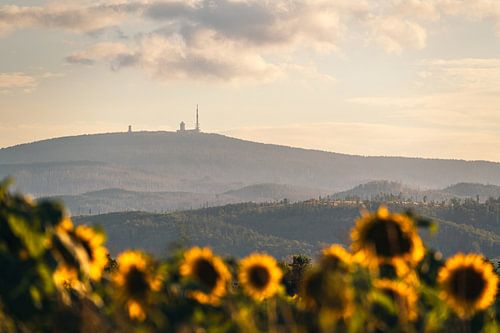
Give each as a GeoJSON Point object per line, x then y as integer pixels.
{"type": "Point", "coordinates": [197, 122]}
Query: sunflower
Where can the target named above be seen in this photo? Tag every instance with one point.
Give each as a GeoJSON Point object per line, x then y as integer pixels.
{"type": "Point", "coordinates": [201, 265]}
{"type": "Point", "coordinates": [136, 281]}
{"type": "Point", "coordinates": [95, 252]}
{"type": "Point", "coordinates": [328, 291]}
{"type": "Point", "coordinates": [65, 225]}
{"type": "Point", "coordinates": [66, 277]}
{"type": "Point", "coordinates": [335, 257]}
{"type": "Point", "coordinates": [468, 284]}
{"type": "Point", "coordinates": [397, 270]}
{"type": "Point", "coordinates": [383, 237]}
{"type": "Point", "coordinates": [260, 276]}
{"type": "Point", "coordinates": [404, 296]}
{"type": "Point", "coordinates": [135, 310]}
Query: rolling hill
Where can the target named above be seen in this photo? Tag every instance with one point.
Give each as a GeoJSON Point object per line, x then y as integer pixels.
{"type": "Point", "coordinates": [377, 189]}
{"type": "Point", "coordinates": [283, 229]}
{"type": "Point", "coordinates": [157, 233]}
{"type": "Point", "coordinates": [471, 190]}
{"type": "Point", "coordinates": [119, 200]}
{"type": "Point", "coordinates": [212, 163]}
{"type": "Point", "coordinates": [274, 192]}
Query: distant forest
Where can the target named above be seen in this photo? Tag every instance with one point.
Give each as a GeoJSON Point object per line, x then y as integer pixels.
{"type": "Point", "coordinates": [284, 228]}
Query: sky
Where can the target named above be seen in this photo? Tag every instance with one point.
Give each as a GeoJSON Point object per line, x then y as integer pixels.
{"type": "Point", "coordinates": [395, 77]}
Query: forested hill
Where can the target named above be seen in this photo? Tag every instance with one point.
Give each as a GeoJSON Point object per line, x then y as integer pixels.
{"type": "Point", "coordinates": [283, 229]}
{"type": "Point", "coordinates": [118, 200]}
{"type": "Point", "coordinates": [168, 161]}
{"type": "Point", "coordinates": [467, 189]}
{"type": "Point", "coordinates": [384, 189]}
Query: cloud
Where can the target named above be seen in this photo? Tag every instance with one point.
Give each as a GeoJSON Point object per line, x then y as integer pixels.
{"type": "Point", "coordinates": [263, 24]}
{"type": "Point", "coordinates": [228, 40]}
{"type": "Point", "coordinates": [103, 51]}
{"type": "Point", "coordinates": [475, 10]}
{"type": "Point", "coordinates": [233, 40]}
{"type": "Point", "coordinates": [67, 16]}
{"type": "Point", "coordinates": [9, 81]}
{"type": "Point", "coordinates": [169, 58]}
{"type": "Point", "coordinates": [19, 81]}
{"type": "Point", "coordinates": [394, 34]}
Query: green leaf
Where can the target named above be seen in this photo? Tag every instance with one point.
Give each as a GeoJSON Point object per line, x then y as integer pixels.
{"type": "Point", "coordinates": [31, 238]}
{"type": "Point", "coordinates": [385, 301]}
{"type": "Point", "coordinates": [36, 296]}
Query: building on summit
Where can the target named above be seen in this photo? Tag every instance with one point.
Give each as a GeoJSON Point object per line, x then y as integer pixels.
{"type": "Point", "coordinates": [182, 126]}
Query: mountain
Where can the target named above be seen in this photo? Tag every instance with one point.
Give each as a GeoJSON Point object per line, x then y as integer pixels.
{"type": "Point", "coordinates": [119, 200]}
{"type": "Point", "coordinates": [283, 229]}
{"type": "Point", "coordinates": [74, 177]}
{"type": "Point", "coordinates": [212, 163]}
{"type": "Point", "coordinates": [379, 189]}
{"type": "Point", "coordinates": [471, 190]}
{"type": "Point", "coordinates": [274, 192]}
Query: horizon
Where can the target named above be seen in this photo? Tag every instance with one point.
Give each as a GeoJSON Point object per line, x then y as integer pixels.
{"type": "Point", "coordinates": [126, 132]}
{"type": "Point", "coordinates": [395, 78]}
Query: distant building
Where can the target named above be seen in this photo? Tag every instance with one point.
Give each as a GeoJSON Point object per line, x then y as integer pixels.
{"type": "Point", "coordinates": [182, 126]}
{"type": "Point", "coordinates": [130, 128]}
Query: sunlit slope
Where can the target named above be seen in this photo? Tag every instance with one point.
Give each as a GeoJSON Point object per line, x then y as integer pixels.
{"type": "Point", "coordinates": [215, 163]}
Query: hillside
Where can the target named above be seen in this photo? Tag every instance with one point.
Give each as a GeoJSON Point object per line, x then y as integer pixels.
{"type": "Point", "coordinates": [74, 177]}
{"type": "Point", "coordinates": [274, 192]}
{"type": "Point", "coordinates": [379, 189]}
{"type": "Point", "coordinates": [119, 200]}
{"type": "Point", "coordinates": [212, 163]}
{"type": "Point", "coordinates": [156, 233]}
{"type": "Point", "coordinates": [284, 229]}
{"type": "Point", "coordinates": [472, 190]}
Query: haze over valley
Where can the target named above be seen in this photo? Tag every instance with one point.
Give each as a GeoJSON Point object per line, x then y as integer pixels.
{"type": "Point", "coordinates": [212, 163]}
{"type": "Point", "coordinates": [278, 199]}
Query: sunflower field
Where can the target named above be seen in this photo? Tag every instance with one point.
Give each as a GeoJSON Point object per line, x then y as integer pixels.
{"type": "Point", "coordinates": [57, 277]}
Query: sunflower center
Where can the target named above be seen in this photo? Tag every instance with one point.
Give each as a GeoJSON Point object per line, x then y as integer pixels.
{"type": "Point", "coordinates": [392, 294]}
{"type": "Point", "coordinates": [388, 239]}
{"type": "Point", "coordinates": [136, 282]}
{"type": "Point", "coordinates": [259, 276]}
{"type": "Point", "coordinates": [467, 284]}
{"type": "Point", "coordinates": [205, 272]}
{"type": "Point", "coordinates": [331, 262]}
